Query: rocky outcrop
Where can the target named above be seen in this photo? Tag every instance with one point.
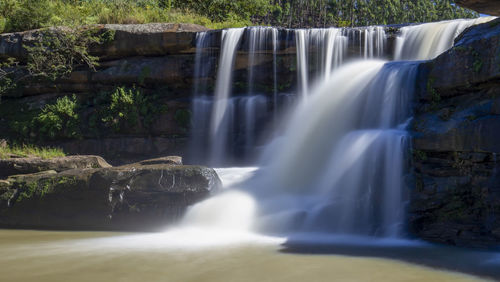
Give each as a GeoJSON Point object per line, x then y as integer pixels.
{"type": "Point", "coordinates": [145, 197]}
{"type": "Point", "coordinates": [489, 7]}
{"type": "Point", "coordinates": [456, 199]}
{"type": "Point", "coordinates": [151, 39]}
{"type": "Point", "coordinates": [35, 164]}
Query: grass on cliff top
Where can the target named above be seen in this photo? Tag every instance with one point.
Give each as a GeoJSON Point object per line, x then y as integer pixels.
{"type": "Point", "coordinates": [19, 15]}
{"type": "Point", "coordinates": [30, 151]}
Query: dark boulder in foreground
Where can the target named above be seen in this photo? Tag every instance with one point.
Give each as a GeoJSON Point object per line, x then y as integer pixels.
{"type": "Point", "coordinates": [133, 197]}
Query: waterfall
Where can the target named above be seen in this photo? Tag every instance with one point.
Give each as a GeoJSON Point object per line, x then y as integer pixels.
{"type": "Point", "coordinates": [427, 41]}
{"type": "Point", "coordinates": [374, 41]}
{"type": "Point", "coordinates": [260, 40]}
{"type": "Point", "coordinates": [324, 48]}
{"type": "Point", "coordinates": [338, 165]}
{"type": "Point", "coordinates": [342, 153]}
{"type": "Point", "coordinates": [219, 119]}
{"type": "Point", "coordinates": [221, 137]}
{"type": "Point", "coordinates": [204, 63]}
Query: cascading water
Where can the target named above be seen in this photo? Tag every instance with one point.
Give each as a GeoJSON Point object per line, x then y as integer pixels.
{"type": "Point", "coordinates": [427, 41]}
{"type": "Point", "coordinates": [219, 120]}
{"type": "Point", "coordinates": [328, 46]}
{"type": "Point", "coordinates": [346, 154]}
{"type": "Point", "coordinates": [339, 165]}
{"type": "Point", "coordinates": [220, 134]}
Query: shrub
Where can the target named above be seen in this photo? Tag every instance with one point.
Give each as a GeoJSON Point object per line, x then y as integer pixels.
{"type": "Point", "coordinates": [129, 108]}
{"type": "Point", "coordinates": [58, 120]}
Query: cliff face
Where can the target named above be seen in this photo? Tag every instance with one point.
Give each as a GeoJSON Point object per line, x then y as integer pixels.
{"type": "Point", "coordinates": [156, 59]}
{"type": "Point", "coordinates": [456, 199]}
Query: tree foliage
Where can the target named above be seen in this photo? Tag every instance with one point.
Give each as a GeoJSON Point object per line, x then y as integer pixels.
{"type": "Point", "coordinates": [55, 52]}
{"type": "Point", "coordinates": [317, 13]}
{"type": "Point", "coordinates": [17, 15]}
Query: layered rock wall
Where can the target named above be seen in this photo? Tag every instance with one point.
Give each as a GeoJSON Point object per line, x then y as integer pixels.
{"type": "Point", "coordinates": [159, 60]}
{"type": "Point", "coordinates": [456, 130]}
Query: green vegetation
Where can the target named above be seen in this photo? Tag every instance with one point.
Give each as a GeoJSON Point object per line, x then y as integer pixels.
{"type": "Point", "coordinates": [7, 71]}
{"type": "Point", "coordinates": [122, 110]}
{"type": "Point", "coordinates": [53, 54]}
{"type": "Point", "coordinates": [18, 15]}
{"type": "Point", "coordinates": [128, 108]}
{"type": "Point", "coordinates": [477, 65]}
{"type": "Point", "coordinates": [56, 52]}
{"type": "Point", "coordinates": [435, 98]}
{"type": "Point", "coordinates": [37, 189]}
{"type": "Point", "coordinates": [183, 118]}
{"type": "Point", "coordinates": [30, 151]}
{"type": "Point", "coordinates": [58, 120]}
{"type": "Point", "coordinates": [419, 155]}
{"type": "Point", "coordinates": [27, 190]}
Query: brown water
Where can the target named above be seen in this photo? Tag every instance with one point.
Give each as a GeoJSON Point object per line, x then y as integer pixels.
{"type": "Point", "coordinates": [93, 256]}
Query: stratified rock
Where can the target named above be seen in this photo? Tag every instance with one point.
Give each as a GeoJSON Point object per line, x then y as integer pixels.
{"type": "Point", "coordinates": [489, 7]}
{"type": "Point", "coordinates": [129, 40]}
{"type": "Point", "coordinates": [134, 197]}
{"type": "Point", "coordinates": [456, 199]}
{"type": "Point", "coordinates": [35, 164]}
{"type": "Point", "coordinates": [149, 39]}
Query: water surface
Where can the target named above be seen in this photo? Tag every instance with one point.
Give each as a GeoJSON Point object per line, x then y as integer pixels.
{"type": "Point", "coordinates": [97, 256]}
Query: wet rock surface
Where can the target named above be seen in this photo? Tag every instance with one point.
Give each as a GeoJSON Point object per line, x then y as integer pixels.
{"type": "Point", "coordinates": [134, 197]}
{"type": "Point", "coordinates": [456, 198]}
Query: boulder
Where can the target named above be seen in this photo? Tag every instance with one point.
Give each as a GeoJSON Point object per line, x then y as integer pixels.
{"type": "Point", "coordinates": [489, 7]}
{"type": "Point", "coordinates": [133, 197]}
{"type": "Point", "coordinates": [35, 164]}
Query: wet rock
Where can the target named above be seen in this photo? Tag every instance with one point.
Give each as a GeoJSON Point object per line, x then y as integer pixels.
{"type": "Point", "coordinates": [456, 198]}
